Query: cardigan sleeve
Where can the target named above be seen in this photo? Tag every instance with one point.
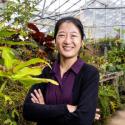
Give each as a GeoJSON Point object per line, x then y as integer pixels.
{"type": "Point", "coordinates": [86, 107]}
{"type": "Point", "coordinates": [39, 112]}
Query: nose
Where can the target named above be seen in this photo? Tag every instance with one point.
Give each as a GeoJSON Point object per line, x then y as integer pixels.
{"type": "Point", "coordinates": [67, 39]}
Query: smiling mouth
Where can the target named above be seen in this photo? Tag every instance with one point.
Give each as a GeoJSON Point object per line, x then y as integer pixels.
{"type": "Point", "coordinates": [67, 48]}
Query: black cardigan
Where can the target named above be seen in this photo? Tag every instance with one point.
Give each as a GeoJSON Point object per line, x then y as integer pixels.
{"type": "Point", "coordinates": [85, 94]}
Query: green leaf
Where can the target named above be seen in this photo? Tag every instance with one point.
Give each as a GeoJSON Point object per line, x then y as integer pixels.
{"type": "Point", "coordinates": [26, 71]}
{"type": "Point", "coordinates": [7, 33]}
{"type": "Point", "coordinates": [28, 63]}
{"type": "Point", "coordinates": [8, 121]}
{"type": "Point", "coordinates": [27, 81]}
{"type": "Point", "coordinates": [1, 94]}
{"type": "Point", "coordinates": [8, 99]}
{"type": "Point", "coordinates": [3, 86]}
{"type": "Point", "coordinates": [4, 74]}
{"type": "Point", "coordinates": [8, 56]}
{"type": "Point", "coordinates": [15, 112]}
{"type": "Point", "coordinates": [23, 33]}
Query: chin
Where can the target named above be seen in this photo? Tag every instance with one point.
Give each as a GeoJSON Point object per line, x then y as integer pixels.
{"type": "Point", "coordinates": [68, 56]}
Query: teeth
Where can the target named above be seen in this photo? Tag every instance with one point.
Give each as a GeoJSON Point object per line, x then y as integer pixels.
{"type": "Point", "coordinates": [67, 48]}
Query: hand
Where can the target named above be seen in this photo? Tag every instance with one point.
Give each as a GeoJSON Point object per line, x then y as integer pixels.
{"type": "Point", "coordinates": [97, 115]}
{"type": "Point", "coordinates": [37, 97]}
{"type": "Point", "coordinates": [71, 108]}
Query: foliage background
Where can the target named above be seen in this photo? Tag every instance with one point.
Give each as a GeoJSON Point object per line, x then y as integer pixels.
{"type": "Point", "coordinates": [107, 54]}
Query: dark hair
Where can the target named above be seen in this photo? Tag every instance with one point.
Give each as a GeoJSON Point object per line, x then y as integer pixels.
{"type": "Point", "coordinates": [73, 20]}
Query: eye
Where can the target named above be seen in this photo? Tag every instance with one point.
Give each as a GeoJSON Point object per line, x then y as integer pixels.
{"type": "Point", "coordinates": [74, 36]}
{"type": "Point", "coordinates": [61, 35]}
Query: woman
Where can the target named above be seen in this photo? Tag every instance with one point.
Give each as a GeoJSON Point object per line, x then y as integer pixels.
{"type": "Point", "coordinates": [74, 101]}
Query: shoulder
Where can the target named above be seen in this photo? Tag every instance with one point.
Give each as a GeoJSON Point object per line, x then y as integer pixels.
{"type": "Point", "coordinates": [89, 76]}
{"type": "Point", "coordinates": [89, 69]}
{"type": "Point", "coordinates": [88, 73]}
{"type": "Point", "coordinates": [46, 69]}
{"type": "Point", "coordinates": [45, 72]}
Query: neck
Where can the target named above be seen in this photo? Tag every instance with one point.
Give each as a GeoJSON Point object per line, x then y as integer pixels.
{"type": "Point", "coordinates": [66, 63]}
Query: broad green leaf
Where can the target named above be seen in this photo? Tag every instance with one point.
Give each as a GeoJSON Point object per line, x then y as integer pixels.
{"type": "Point", "coordinates": [16, 62]}
{"type": "Point", "coordinates": [8, 56]}
{"type": "Point", "coordinates": [26, 71]}
{"type": "Point", "coordinates": [27, 81]}
{"type": "Point", "coordinates": [4, 74]}
{"type": "Point", "coordinates": [28, 63]}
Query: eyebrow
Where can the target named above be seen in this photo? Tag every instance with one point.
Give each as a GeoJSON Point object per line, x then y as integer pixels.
{"type": "Point", "coordinates": [61, 32]}
{"type": "Point", "coordinates": [74, 32]}
{"type": "Point", "coordinates": [70, 32]}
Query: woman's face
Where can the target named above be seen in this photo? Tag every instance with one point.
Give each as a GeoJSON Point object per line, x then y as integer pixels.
{"type": "Point", "coordinates": [68, 40]}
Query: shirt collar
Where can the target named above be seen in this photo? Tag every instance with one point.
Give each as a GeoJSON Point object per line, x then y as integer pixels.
{"type": "Point", "coordinates": [75, 67]}
{"type": "Point", "coordinates": [55, 67]}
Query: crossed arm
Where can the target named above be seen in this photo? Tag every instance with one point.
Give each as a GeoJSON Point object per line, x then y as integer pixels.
{"type": "Point", "coordinates": [37, 97]}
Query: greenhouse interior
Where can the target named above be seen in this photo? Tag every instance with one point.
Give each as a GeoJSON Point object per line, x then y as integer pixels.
{"type": "Point", "coordinates": [27, 46]}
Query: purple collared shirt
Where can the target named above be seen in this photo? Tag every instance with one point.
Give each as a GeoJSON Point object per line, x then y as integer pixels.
{"type": "Point", "coordinates": [62, 94]}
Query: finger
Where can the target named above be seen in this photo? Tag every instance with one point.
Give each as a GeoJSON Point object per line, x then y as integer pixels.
{"type": "Point", "coordinates": [97, 110]}
{"type": "Point", "coordinates": [34, 98]}
{"type": "Point", "coordinates": [41, 95]}
{"type": "Point", "coordinates": [38, 96]}
{"type": "Point", "coordinates": [97, 116]}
